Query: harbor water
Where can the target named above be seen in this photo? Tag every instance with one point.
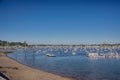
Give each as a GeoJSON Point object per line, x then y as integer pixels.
{"type": "Point", "coordinates": [79, 67]}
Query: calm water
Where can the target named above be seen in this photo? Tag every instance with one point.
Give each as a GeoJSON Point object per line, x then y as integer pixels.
{"type": "Point", "coordinates": [77, 66]}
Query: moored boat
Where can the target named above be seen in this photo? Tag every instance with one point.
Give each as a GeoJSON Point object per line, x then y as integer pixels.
{"type": "Point", "coordinates": [50, 55]}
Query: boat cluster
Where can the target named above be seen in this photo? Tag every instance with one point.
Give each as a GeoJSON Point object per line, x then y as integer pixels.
{"type": "Point", "coordinates": [92, 52]}
{"type": "Point", "coordinates": [89, 51]}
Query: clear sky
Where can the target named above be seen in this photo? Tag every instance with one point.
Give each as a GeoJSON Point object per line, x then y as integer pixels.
{"type": "Point", "coordinates": [60, 21]}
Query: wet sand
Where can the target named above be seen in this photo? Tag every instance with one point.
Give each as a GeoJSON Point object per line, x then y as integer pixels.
{"type": "Point", "coordinates": [16, 71]}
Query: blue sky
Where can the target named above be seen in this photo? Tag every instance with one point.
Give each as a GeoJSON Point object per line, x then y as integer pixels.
{"type": "Point", "coordinates": [60, 21]}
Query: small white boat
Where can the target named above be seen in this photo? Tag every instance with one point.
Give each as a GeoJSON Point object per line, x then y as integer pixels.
{"type": "Point", "coordinates": [50, 55]}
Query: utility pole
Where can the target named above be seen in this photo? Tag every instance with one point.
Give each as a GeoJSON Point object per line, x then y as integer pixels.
{"type": "Point", "coordinates": [25, 45]}
{"type": "Point", "coordinates": [7, 44]}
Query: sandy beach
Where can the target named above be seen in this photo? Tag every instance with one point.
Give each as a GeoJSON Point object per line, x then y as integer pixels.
{"type": "Point", "coordinates": [17, 71]}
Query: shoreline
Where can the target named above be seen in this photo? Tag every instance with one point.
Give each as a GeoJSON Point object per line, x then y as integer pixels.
{"type": "Point", "coordinates": [17, 71]}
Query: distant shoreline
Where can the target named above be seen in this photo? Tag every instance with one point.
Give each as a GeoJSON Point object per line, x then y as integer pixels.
{"type": "Point", "coordinates": [17, 71]}
{"type": "Point", "coordinates": [8, 43]}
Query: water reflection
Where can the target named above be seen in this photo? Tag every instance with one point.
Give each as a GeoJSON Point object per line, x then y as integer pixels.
{"type": "Point", "coordinates": [78, 66]}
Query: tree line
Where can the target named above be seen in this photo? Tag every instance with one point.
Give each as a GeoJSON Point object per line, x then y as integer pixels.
{"type": "Point", "coordinates": [7, 43]}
